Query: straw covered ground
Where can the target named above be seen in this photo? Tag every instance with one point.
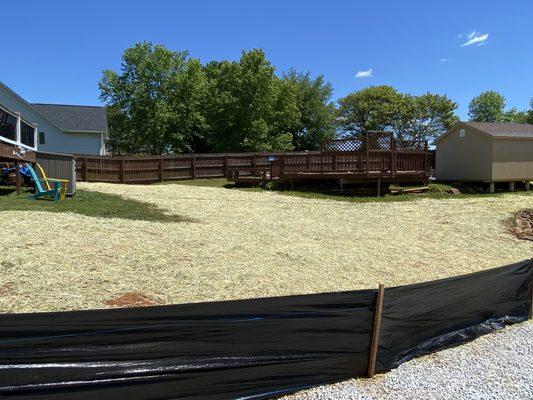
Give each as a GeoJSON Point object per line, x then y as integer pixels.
{"type": "Point", "coordinates": [237, 244]}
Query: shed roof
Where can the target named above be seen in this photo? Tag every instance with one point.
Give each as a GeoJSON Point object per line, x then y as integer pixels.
{"type": "Point", "coordinates": [73, 118]}
{"type": "Point", "coordinates": [503, 129]}
{"type": "Point", "coordinates": [498, 130]}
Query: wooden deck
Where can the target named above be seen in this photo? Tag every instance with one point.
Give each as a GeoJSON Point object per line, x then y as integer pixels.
{"type": "Point", "coordinates": [374, 158]}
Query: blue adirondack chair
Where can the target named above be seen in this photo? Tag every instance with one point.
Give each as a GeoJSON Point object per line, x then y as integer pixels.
{"type": "Point", "coordinates": [56, 192]}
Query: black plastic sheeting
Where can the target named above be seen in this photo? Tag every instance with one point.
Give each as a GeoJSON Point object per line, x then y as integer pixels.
{"type": "Point", "coordinates": [258, 348]}
{"type": "Point", "coordinates": [249, 349]}
{"type": "Point", "coordinates": [422, 318]}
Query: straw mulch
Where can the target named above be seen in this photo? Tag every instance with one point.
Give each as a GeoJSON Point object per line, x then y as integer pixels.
{"type": "Point", "coordinates": [245, 244]}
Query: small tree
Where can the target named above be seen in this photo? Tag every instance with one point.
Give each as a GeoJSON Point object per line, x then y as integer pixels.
{"type": "Point", "coordinates": [487, 107]}
{"type": "Point", "coordinates": [424, 117]}
{"type": "Point", "coordinates": [372, 108]}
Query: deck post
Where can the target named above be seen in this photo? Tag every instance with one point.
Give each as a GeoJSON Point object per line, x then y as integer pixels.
{"type": "Point", "coordinates": [367, 156]}
{"type": "Point", "coordinates": [17, 173]}
{"type": "Point", "coordinates": [527, 186]}
{"type": "Point", "coordinates": [511, 186]}
{"type": "Point", "coordinates": [341, 184]}
{"type": "Point", "coordinates": [492, 187]}
{"type": "Point", "coordinates": [376, 331]}
{"type": "Point", "coordinates": [379, 186]}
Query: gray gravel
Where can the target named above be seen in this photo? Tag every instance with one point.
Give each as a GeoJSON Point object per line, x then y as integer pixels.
{"type": "Point", "coordinates": [494, 366]}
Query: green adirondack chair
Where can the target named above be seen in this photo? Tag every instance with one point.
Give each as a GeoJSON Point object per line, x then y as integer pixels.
{"type": "Point", "coordinates": [56, 192]}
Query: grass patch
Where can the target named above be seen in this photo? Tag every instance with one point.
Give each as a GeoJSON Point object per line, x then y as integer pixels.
{"type": "Point", "coordinates": [91, 204]}
{"type": "Point", "coordinates": [436, 191]}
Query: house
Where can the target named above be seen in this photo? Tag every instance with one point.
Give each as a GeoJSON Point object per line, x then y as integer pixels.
{"type": "Point", "coordinates": [486, 152]}
{"type": "Point", "coordinates": [51, 127]}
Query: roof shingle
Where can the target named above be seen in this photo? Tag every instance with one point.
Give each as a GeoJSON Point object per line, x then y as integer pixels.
{"type": "Point", "coordinates": [75, 118]}
{"type": "Point", "coordinates": [504, 129]}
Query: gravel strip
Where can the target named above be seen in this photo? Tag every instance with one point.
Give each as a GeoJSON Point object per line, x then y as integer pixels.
{"type": "Point", "coordinates": [495, 366]}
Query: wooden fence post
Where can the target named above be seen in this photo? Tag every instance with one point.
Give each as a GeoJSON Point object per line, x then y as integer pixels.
{"type": "Point", "coordinates": [225, 166]}
{"type": "Point", "coordinates": [376, 331]}
{"type": "Point", "coordinates": [84, 170]}
{"type": "Point", "coordinates": [122, 175]}
{"type": "Point", "coordinates": [193, 166]}
{"type": "Point", "coordinates": [161, 169]}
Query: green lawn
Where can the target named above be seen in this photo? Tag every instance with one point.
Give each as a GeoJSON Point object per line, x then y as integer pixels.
{"type": "Point", "coordinates": [87, 203]}
{"type": "Point", "coordinates": [436, 191]}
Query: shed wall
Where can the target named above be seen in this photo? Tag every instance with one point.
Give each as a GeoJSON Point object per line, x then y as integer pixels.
{"type": "Point", "coordinates": [467, 158]}
{"type": "Point", "coordinates": [512, 159]}
{"type": "Point", "coordinates": [60, 166]}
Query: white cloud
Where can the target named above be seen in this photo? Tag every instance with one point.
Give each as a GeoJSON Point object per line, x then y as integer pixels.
{"type": "Point", "coordinates": [364, 74]}
{"type": "Point", "coordinates": [475, 38]}
{"type": "Point", "coordinates": [445, 59]}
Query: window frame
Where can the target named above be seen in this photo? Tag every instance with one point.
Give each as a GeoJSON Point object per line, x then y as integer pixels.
{"type": "Point", "coordinates": [18, 142]}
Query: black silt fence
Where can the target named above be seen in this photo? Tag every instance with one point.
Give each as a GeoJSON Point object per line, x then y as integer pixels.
{"type": "Point", "coordinates": [256, 348]}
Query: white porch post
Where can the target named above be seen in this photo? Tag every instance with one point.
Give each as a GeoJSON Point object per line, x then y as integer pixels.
{"type": "Point", "coordinates": [35, 137]}
{"type": "Point", "coordinates": [18, 129]}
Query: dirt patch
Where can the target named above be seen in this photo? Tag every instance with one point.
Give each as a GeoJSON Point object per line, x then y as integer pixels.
{"type": "Point", "coordinates": [7, 289]}
{"type": "Point", "coordinates": [131, 299]}
{"type": "Point", "coordinates": [521, 225]}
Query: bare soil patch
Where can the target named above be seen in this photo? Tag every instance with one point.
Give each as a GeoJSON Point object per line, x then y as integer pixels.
{"type": "Point", "coordinates": [131, 299]}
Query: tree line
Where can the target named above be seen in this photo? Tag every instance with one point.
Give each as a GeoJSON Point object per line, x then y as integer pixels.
{"type": "Point", "coordinates": [166, 102]}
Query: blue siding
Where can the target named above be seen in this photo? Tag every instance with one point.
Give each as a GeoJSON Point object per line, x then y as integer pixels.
{"type": "Point", "coordinates": [55, 139]}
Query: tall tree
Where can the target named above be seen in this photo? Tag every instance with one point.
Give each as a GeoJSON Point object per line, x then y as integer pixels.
{"type": "Point", "coordinates": [530, 112]}
{"type": "Point", "coordinates": [487, 107]}
{"type": "Point", "coordinates": [154, 103]}
{"type": "Point", "coordinates": [317, 111]}
{"type": "Point", "coordinates": [372, 108]}
{"type": "Point", "coordinates": [248, 107]}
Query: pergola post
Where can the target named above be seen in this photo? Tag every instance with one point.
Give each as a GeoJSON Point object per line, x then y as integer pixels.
{"type": "Point", "coordinates": [17, 174]}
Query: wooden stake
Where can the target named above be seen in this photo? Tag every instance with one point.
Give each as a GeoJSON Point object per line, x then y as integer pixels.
{"type": "Point", "coordinates": [531, 307]}
{"type": "Point", "coordinates": [375, 333]}
{"type": "Point", "coordinates": [17, 172]}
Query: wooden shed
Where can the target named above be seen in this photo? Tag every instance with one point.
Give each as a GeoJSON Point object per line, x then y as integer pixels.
{"type": "Point", "coordinates": [486, 152]}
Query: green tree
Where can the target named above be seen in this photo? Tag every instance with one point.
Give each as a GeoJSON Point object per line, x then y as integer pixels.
{"type": "Point", "coordinates": [516, 116]}
{"type": "Point", "coordinates": [530, 112]}
{"type": "Point", "coordinates": [372, 108]}
{"type": "Point", "coordinates": [424, 117]}
{"type": "Point", "coordinates": [154, 103]}
{"type": "Point", "coordinates": [384, 108]}
{"type": "Point", "coordinates": [317, 111]}
{"type": "Point", "coordinates": [489, 106]}
{"type": "Point", "coordinates": [248, 107]}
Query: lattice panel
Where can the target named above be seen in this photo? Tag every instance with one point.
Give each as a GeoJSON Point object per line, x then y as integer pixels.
{"type": "Point", "coordinates": [411, 145]}
{"type": "Point", "coordinates": [343, 145]}
{"type": "Point", "coordinates": [379, 141]}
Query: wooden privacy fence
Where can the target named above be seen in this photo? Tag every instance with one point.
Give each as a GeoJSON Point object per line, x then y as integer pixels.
{"type": "Point", "coordinates": [151, 169]}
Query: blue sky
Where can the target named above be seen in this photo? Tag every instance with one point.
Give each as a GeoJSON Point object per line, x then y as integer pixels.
{"type": "Point", "coordinates": [55, 51]}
